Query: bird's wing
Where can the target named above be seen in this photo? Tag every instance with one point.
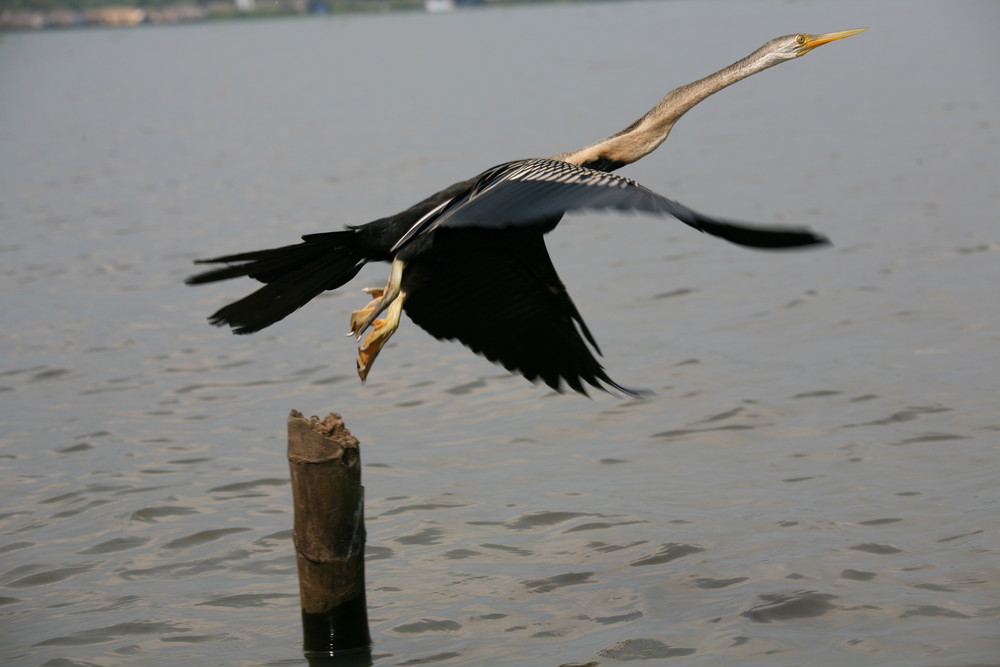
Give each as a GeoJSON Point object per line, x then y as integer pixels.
{"type": "Point", "coordinates": [424, 222]}
{"type": "Point", "coordinates": [498, 293]}
{"type": "Point", "coordinates": [522, 193]}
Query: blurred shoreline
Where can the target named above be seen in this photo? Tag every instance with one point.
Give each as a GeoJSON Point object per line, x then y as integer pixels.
{"type": "Point", "coordinates": [124, 15]}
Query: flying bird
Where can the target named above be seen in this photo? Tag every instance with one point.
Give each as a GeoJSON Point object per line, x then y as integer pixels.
{"type": "Point", "coordinates": [469, 263]}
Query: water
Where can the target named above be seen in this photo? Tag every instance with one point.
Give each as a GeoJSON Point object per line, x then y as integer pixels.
{"type": "Point", "coordinates": [814, 481]}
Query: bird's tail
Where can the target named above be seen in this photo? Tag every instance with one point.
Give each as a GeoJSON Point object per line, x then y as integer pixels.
{"type": "Point", "coordinates": [294, 275]}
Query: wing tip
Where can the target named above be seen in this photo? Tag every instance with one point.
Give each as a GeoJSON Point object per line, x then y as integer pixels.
{"type": "Point", "coordinates": [601, 381]}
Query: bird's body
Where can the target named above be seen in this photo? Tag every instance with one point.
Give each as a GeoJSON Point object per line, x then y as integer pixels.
{"type": "Point", "coordinates": [469, 262]}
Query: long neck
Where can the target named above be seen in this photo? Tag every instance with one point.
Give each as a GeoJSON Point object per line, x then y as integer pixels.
{"type": "Point", "coordinates": [644, 135]}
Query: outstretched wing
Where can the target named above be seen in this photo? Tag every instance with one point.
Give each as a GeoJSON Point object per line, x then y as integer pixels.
{"type": "Point", "coordinates": [499, 294]}
{"type": "Point", "coordinates": [522, 193]}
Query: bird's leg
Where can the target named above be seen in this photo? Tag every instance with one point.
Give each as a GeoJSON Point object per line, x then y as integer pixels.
{"type": "Point", "coordinates": [382, 330]}
{"type": "Point", "coordinates": [381, 298]}
{"type": "Point", "coordinates": [391, 298]}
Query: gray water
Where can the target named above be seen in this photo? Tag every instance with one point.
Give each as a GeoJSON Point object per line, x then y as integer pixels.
{"type": "Point", "coordinates": [814, 481]}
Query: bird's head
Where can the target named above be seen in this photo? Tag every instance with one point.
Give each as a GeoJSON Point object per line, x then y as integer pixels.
{"type": "Point", "coordinates": [788, 47]}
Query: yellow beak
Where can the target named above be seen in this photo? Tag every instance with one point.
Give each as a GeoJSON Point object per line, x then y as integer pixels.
{"type": "Point", "coordinates": [812, 41]}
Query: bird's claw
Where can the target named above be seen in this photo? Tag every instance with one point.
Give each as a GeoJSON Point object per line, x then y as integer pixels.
{"type": "Point", "coordinates": [389, 298]}
{"type": "Point", "coordinates": [363, 318]}
{"type": "Point", "coordinates": [368, 350]}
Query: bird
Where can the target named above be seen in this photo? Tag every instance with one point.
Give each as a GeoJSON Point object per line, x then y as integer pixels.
{"type": "Point", "coordinates": [469, 263]}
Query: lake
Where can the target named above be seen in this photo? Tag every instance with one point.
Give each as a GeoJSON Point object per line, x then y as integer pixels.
{"type": "Point", "coordinates": [812, 482]}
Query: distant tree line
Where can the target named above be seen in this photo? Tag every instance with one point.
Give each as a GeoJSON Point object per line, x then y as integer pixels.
{"type": "Point", "coordinates": [79, 5]}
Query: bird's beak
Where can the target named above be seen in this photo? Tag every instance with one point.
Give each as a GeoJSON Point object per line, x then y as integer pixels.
{"type": "Point", "coordinates": [810, 42]}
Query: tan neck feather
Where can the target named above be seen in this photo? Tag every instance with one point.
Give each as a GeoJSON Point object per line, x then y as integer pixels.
{"type": "Point", "coordinates": [644, 135]}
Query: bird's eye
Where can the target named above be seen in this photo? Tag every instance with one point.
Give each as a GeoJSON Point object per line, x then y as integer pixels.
{"type": "Point", "coordinates": [800, 39]}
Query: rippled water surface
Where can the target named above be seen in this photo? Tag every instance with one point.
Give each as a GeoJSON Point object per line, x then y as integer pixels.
{"type": "Point", "coordinates": [814, 481]}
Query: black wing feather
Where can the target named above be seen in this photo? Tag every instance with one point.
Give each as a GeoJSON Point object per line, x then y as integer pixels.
{"type": "Point", "coordinates": [498, 293]}
{"type": "Point", "coordinates": [519, 194]}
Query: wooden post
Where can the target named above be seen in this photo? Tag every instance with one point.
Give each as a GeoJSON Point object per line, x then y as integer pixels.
{"type": "Point", "coordinates": [329, 535]}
